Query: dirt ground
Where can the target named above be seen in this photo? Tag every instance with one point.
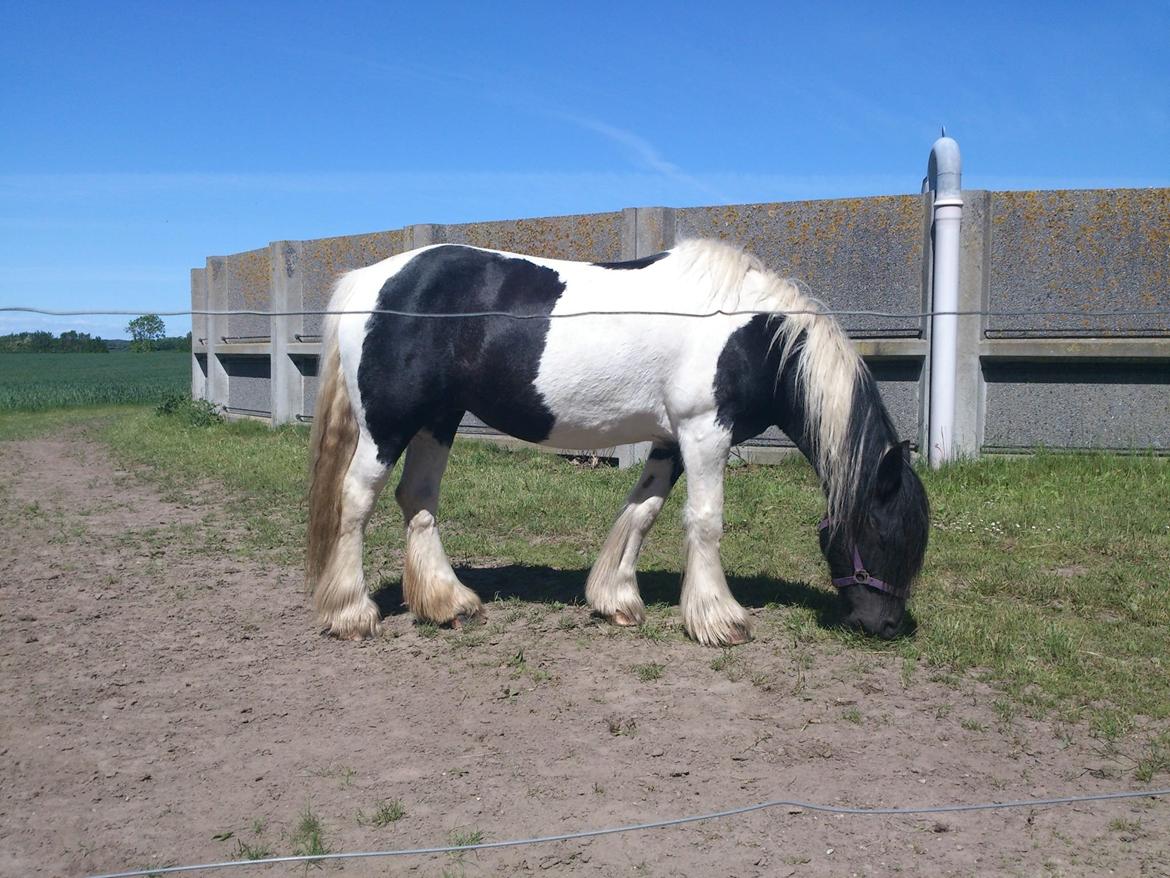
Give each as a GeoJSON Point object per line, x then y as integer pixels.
{"type": "Point", "coordinates": [165, 700]}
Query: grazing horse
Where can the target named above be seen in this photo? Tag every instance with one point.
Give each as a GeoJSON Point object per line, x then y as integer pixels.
{"type": "Point", "coordinates": [393, 384]}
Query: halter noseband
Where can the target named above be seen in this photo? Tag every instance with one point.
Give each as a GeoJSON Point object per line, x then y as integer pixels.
{"type": "Point", "coordinates": [860, 576]}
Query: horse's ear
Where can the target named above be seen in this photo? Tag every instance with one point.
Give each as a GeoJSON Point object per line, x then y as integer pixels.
{"type": "Point", "coordinates": [889, 474]}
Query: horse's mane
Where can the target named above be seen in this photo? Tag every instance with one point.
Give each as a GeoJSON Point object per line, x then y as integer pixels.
{"type": "Point", "coordinates": [847, 427]}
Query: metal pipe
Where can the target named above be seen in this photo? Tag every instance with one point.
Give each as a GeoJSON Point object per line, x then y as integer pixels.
{"type": "Point", "coordinates": [945, 179]}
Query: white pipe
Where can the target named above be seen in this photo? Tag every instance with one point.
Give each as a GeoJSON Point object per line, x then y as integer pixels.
{"type": "Point", "coordinates": [945, 179]}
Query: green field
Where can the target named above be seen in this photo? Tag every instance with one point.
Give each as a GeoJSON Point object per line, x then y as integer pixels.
{"type": "Point", "coordinates": [32, 382]}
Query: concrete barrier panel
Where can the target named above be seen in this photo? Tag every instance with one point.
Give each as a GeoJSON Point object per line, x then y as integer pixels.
{"type": "Point", "coordinates": [1097, 250]}
{"type": "Point", "coordinates": [249, 381]}
{"type": "Point", "coordinates": [1119, 406]}
{"type": "Point", "coordinates": [306, 367]}
{"type": "Point", "coordinates": [1063, 382]}
{"type": "Point", "coordinates": [247, 287]}
{"type": "Point", "coordinates": [198, 333]}
{"type": "Point", "coordinates": [594, 237]}
{"type": "Point", "coordinates": [324, 259]}
{"type": "Point", "coordinates": [853, 253]}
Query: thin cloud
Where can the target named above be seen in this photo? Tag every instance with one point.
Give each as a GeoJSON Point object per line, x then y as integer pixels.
{"type": "Point", "coordinates": [643, 152]}
{"type": "Point", "coordinates": [502, 91]}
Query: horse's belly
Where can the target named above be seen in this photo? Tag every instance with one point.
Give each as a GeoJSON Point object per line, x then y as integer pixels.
{"type": "Point", "coordinates": [604, 385]}
{"type": "Point", "coordinates": [616, 429]}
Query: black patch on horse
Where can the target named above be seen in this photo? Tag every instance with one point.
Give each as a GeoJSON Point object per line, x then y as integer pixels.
{"type": "Point", "coordinates": [424, 373]}
{"type": "Point", "coordinates": [747, 384]}
{"type": "Point", "coordinates": [628, 264]}
{"type": "Point", "coordinates": [673, 454]}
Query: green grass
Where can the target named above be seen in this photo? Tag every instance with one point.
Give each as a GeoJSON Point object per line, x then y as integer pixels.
{"type": "Point", "coordinates": [34, 382]}
{"type": "Point", "coordinates": [465, 837]}
{"type": "Point", "coordinates": [649, 672]}
{"type": "Point", "coordinates": [29, 425]}
{"type": "Point", "coordinates": [308, 837]}
{"type": "Point", "coordinates": [384, 814]}
{"type": "Point", "coordinates": [1046, 575]}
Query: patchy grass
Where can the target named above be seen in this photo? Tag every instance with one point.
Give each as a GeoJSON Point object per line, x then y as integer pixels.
{"type": "Point", "coordinates": [308, 837]}
{"type": "Point", "coordinates": [384, 814]}
{"type": "Point", "coordinates": [256, 849]}
{"type": "Point", "coordinates": [31, 425]}
{"type": "Point", "coordinates": [1045, 576]}
{"type": "Point", "coordinates": [464, 837]}
{"type": "Point", "coordinates": [342, 773]}
{"type": "Point", "coordinates": [619, 726]}
{"type": "Point", "coordinates": [647, 673]}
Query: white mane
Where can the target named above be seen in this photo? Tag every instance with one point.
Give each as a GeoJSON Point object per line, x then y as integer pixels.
{"type": "Point", "coordinates": [828, 367]}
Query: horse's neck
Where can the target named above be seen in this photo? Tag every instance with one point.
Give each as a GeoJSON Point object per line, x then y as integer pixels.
{"type": "Point", "coordinates": [792, 417]}
{"type": "Point", "coordinates": [867, 417]}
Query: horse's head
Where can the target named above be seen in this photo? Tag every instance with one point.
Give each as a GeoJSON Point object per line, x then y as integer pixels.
{"type": "Point", "coordinates": [874, 558]}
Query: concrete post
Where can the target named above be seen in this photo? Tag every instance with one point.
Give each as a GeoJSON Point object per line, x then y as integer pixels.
{"type": "Point", "coordinates": [217, 376]}
{"type": "Point", "coordinates": [654, 231]}
{"type": "Point", "coordinates": [970, 393]}
{"type": "Point", "coordinates": [419, 235]}
{"type": "Point", "coordinates": [287, 295]}
{"type": "Point", "coordinates": [645, 231]}
{"type": "Point", "coordinates": [944, 177]}
{"type": "Point", "coordinates": [198, 333]}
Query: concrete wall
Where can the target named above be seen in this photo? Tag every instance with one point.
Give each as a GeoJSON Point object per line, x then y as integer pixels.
{"type": "Point", "coordinates": [1024, 379]}
{"type": "Point", "coordinates": [1065, 381]}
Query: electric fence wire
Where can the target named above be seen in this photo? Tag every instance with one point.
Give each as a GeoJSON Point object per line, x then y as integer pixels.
{"type": "Point", "coordinates": [658, 824]}
{"type": "Point", "coordinates": [720, 312]}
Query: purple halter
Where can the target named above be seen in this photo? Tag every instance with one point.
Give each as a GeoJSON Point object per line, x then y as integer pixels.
{"type": "Point", "coordinates": [860, 576]}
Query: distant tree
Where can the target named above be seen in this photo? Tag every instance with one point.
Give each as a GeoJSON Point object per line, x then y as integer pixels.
{"type": "Point", "coordinates": [70, 342]}
{"type": "Point", "coordinates": [73, 342]}
{"type": "Point", "coordinates": [174, 343]}
{"type": "Point", "coordinates": [145, 331]}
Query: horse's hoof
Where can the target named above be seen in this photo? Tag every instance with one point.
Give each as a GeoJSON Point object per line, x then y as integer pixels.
{"type": "Point", "coordinates": [734, 634]}
{"type": "Point", "coordinates": [362, 621]}
{"type": "Point", "coordinates": [357, 636]}
{"type": "Point", "coordinates": [464, 620]}
{"type": "Point", "coordinates": [739, 634]}
{"type": "Point", "coordinates": [623, 620]}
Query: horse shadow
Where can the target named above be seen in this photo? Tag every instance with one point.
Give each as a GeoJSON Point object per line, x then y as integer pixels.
{"type": "Point", "coordinates": [540, 584]}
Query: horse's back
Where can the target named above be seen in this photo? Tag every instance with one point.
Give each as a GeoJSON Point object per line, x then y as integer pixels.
{"type": "Point", "coordinates": [538, 374]}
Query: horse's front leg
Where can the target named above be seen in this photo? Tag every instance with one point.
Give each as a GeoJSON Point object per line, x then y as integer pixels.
{"type": "Point", "coordinates": [710, 614]}
{"type": "Point", "coordinates": [612, 588]}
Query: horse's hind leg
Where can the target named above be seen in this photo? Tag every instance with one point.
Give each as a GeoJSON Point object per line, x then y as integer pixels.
{"type": "Point", "coordinates": [710, 614]}
{"type": "Point", "coordinates": [429, 585]}
{"type": "Point", "coordinates": [343, 604]}
{"type": "Point", "coordinates": [612, 588]}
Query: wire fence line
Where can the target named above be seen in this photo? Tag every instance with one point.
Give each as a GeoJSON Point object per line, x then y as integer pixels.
{"type": "Point", "coordinates": [659, 824]}
{"type": "Point", "coordinates": [719, 312]}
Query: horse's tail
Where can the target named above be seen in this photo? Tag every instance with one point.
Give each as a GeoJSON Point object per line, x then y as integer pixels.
{"type": "Point", "coordinates": [334, 440]}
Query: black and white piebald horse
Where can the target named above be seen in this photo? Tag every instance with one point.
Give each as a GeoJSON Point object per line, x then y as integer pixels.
{"type": "Point", "coordinates": [692, 386]}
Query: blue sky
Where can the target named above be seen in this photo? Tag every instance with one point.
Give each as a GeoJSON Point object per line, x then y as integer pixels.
{"type": "Point", "coordinates": [139, 138]}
